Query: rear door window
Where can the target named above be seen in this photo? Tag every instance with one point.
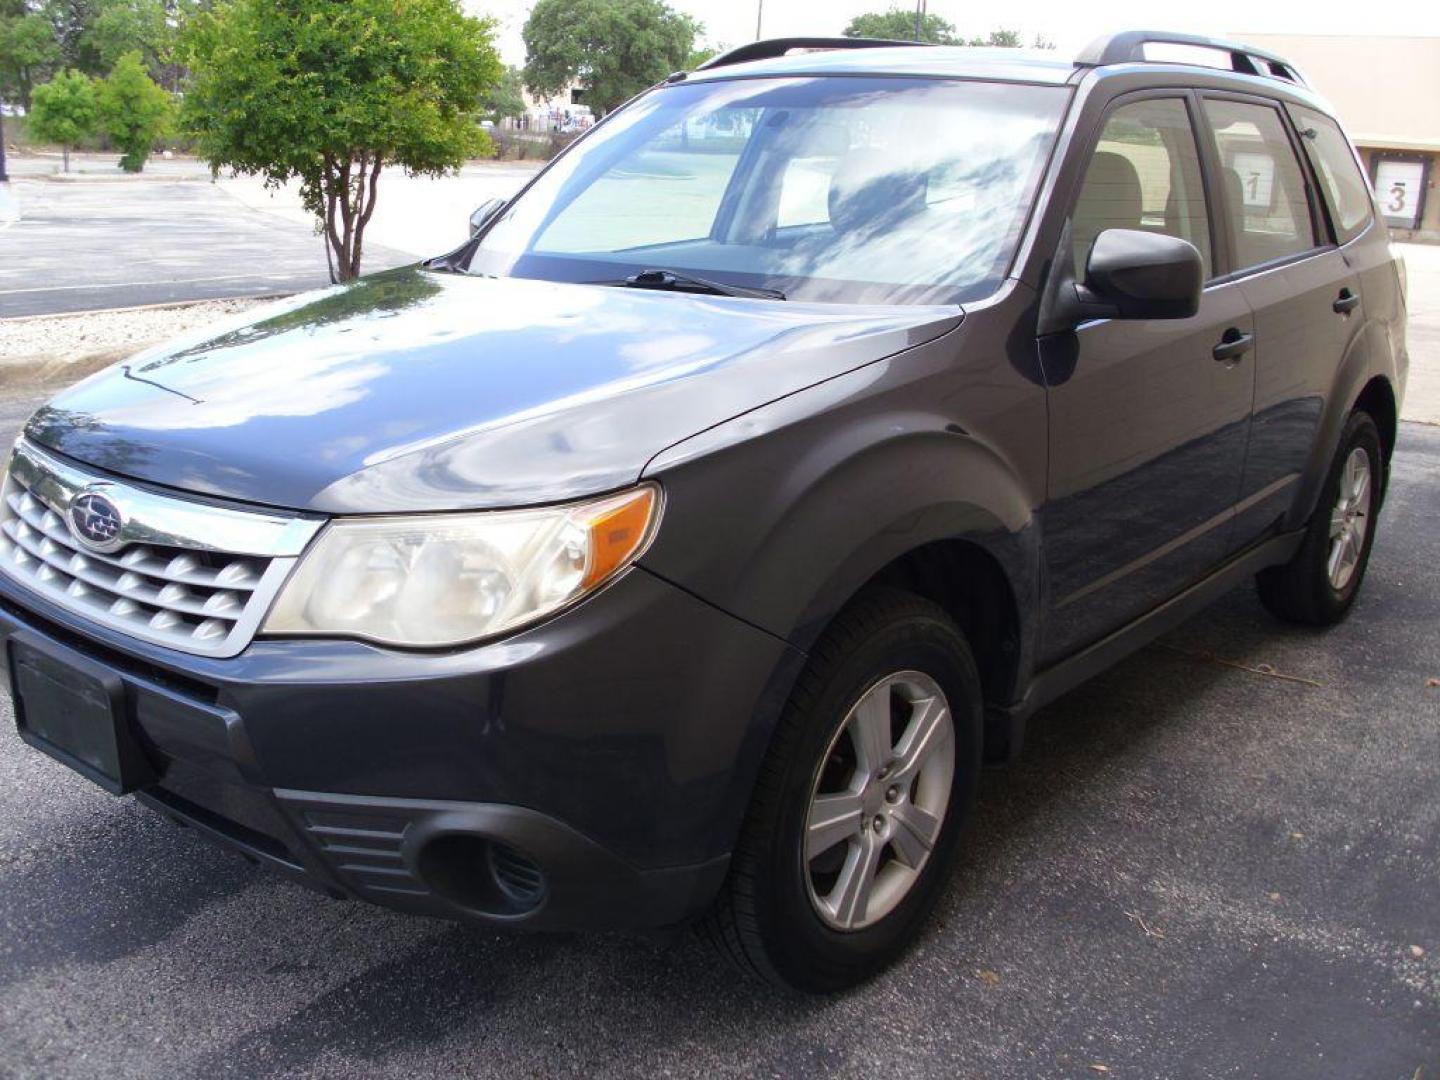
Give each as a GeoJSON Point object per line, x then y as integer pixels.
{"type": "Point", "coordinates": [1346, 193]}
{"type": "Point", "coordinates": [1261, 183]}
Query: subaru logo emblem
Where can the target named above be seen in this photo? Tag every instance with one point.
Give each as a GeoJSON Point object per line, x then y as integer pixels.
{"type": "Point", "coordinates": [95, 521]}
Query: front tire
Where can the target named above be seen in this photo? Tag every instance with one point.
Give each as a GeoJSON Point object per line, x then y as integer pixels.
{"type": "Point", "coordinates": [1319, 584]}
{"type": "Point", "coordinates": [860, 802]}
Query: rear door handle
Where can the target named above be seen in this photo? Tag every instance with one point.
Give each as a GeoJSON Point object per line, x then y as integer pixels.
{"type": "Point", "coordinates": [1346, 302]}
{"type": "Point", "coordinates": [1233, 345]}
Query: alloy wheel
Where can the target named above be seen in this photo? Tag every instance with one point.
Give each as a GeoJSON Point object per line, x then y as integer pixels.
{"type": "Point", "coordinates": [879, 800]}
{"type": "Point", "coordinates": [1350, 519]}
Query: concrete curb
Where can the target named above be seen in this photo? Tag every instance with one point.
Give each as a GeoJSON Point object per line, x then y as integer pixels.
{"type": "Point", "coordinates": [122, 178]}
{"type": "Point", "coordinates": [144, 307]}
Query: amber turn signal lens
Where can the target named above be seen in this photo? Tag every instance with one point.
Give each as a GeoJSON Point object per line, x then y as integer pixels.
{"type": "Point", "coordinates": [618, 530]}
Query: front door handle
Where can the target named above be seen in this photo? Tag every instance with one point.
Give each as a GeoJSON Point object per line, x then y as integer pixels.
{"type": "Point", "coordinates": [1233, 345]}
{"type": "Point", "coordinates": [1346, 302]}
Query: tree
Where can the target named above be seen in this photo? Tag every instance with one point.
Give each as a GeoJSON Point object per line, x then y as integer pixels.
{"type": "Point", "coordinates": [124, 26]}
{"type": "Point", "coordinates": [28, 52]}
{"type": "Point", "coordinates": [133, 110]}
{"type": "Point", "coordinates": [897, 24]}
{"type": "Point", "coordinates": [506, 98]}
{"type": "Point", "coordinates": [40, 37]}
{"type": "Point", "coordinates": [999, 39]}
{"type": "Point", "coordinates": [328, 91]}
{"type": "Point", "coordinates": [701, 54]}
{"type": "Point", "coordinates": [70, 22]}
{"type": "Point", "coordinates": [64, 110]}
{"type": "Point", "coordinates": [613, 48]}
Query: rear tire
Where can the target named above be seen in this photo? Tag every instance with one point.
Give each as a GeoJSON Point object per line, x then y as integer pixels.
{"type": "Point", "coordinates": [1319, 584]}
{"type": "Point", "coordinates": [825, 889]}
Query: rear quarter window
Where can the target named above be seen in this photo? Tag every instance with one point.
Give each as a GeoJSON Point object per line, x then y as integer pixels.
{"type": "Point", "coordinates": [1346, 193]}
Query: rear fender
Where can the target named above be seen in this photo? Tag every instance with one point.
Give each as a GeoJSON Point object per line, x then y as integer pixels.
{"type": "Point", "coordinates": [1356, 369]}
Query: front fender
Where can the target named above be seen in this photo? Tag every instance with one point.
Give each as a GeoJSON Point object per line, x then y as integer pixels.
{"type": "Point", "coordinates": [781, 515]}
{"type": "Point", "coordinates": [783, 530]}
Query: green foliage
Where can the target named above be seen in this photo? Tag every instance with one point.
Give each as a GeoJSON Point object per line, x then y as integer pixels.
{"type": "Point", "coordinates": [70, 22]}
{"type": "Point", "coordinates": [28, 52]}
{"type": "Point", "coordinates": [613, 48]}
{"type": "Point", "coordinates": [898, 24]}
{"type": "Point", "coordinates": [699, 55]}
{"type": "Point", "coordinates": [506, 98]}
{"type": "Point", "coordinates": [125, 26]}
{"type": "Point", "coordinates": [328, 91]}
{"type": "Point", "coordinates": [999, 39]}
{"type": "Point", "coordinates": [64, 110]}
{"type": "Point", "coordinates": [40, 37]}
{"type": "Point", "coordinates": [133, 110]}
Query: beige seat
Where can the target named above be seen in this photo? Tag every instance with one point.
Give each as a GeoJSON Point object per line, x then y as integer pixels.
{"type": "Point", "coordinates": [1111, 198]}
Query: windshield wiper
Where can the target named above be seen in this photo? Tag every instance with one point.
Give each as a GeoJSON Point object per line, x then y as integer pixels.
{"type": "Point", "coordinates": [670, 281]}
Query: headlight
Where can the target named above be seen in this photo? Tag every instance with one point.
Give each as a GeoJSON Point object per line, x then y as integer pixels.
{"type": "Point", "coordinates": [446, 579]}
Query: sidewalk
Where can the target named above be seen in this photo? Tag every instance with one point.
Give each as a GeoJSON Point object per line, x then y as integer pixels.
{"type": "Point", "coordinates": [1422, 394]}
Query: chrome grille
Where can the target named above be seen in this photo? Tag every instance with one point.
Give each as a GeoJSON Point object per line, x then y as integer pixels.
{"type": "Point", "coordinates": [197, 593]}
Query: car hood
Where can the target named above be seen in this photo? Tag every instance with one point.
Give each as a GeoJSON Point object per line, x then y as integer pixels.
{"type": "Point", "coordinates": [418, 390]}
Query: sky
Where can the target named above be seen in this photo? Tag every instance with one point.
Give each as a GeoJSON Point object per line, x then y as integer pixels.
{"type": "Point", "coordinates": [1068, 23]}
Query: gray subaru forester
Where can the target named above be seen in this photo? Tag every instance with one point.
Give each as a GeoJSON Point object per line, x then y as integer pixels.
{"type": "Point", "coordinates": [677, 549]}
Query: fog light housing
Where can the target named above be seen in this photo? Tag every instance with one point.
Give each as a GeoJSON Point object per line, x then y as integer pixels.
{"type": "Point", "coordinates": [482, 875]}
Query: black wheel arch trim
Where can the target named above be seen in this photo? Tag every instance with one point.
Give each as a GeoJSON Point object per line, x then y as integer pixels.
{"type": "Point", "coordinates": [1357, 370]}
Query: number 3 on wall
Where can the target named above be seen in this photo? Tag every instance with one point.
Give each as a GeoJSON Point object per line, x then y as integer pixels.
{"type": "Point", "coordinates": [1400, 183]}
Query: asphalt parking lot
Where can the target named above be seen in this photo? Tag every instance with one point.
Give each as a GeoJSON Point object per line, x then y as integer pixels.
{"type": "Point", "coordinates": [99, 244]}
{"type": "Point", "coordinates": [1219, 859]}
{"type": "Point", "coordinates": [105, 240]}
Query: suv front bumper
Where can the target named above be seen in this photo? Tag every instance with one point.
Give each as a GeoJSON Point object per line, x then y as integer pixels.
{"type": "Point", "coordinates": [590, 772]}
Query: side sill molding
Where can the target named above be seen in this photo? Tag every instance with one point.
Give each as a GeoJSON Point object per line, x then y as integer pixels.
{"type": "Point", "coordinates": [1009, 722]}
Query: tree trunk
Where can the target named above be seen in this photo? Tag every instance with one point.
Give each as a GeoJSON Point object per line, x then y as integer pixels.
{"type": "Point", "coordinates": [65, 157]}
{"type": "Point", "coordinates": [349, 190]}
{"type": "Point", "coordinates": [337, 232]}
{"type": "Point", "coordinates": [367, 192]}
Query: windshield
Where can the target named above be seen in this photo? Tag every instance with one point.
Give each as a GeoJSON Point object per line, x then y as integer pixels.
{"type": "Point", "coordinates": [853, 190]}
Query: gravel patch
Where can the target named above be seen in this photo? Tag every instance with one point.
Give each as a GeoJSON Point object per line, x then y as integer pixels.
{"type": "Point", "coordinates": [61, 348]}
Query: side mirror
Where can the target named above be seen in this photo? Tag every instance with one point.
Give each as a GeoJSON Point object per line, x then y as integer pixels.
{"type": "Point", "coordinates": [1143, 275]}
{"type": "Point", "coordinates": [485, 214]}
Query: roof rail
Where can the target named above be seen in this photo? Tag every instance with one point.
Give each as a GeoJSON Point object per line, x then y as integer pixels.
{"type": "Point", "coordinates": [1129, 47]}
{"type": "Point", "coordinates": [773, 47]}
